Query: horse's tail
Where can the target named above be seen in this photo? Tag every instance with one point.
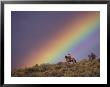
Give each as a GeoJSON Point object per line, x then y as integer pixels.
{"type": "Point", "coordinates": [74, 60]}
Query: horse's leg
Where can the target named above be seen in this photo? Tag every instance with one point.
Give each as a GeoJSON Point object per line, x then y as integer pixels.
{"type": "Point", "coordinates": [91, 59]}
{"type": "Point", "coordinates": [72, 61]}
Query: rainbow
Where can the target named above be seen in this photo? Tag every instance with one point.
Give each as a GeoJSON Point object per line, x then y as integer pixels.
{"type": "Point", "coordinates": [76, 31]}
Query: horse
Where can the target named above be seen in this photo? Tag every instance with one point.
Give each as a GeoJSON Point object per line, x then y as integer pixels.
{"type": "Point", "coordinates": [92, 56]}
{"type": "Point", "coordinates": [69, 59]}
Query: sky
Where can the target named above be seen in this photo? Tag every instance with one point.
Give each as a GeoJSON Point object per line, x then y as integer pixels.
{"type": "Point", "coordinates": [39, 37]}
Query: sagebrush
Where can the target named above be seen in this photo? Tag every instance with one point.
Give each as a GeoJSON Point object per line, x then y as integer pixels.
{"type": "Point", "coordinates": [83, 68]}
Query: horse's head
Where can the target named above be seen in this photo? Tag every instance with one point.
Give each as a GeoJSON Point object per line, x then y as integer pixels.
{"type": "Point", "coordinates": [66, 57]}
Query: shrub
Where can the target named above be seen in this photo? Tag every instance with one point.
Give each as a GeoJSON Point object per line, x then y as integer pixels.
{"type": "Point", "coordinates": [83, 68]}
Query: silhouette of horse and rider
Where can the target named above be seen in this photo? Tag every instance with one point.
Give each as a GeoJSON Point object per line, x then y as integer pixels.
{"type": "Point", "coordinates": [92, 56]}
{"type": "Point", "coordinates": [69, 59]}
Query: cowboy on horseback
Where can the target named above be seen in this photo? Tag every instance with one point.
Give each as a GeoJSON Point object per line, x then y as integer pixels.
{"type": "Point", "coordinates": [92, 56]}
{"type": "Point", "coordinates": [69, 59]}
